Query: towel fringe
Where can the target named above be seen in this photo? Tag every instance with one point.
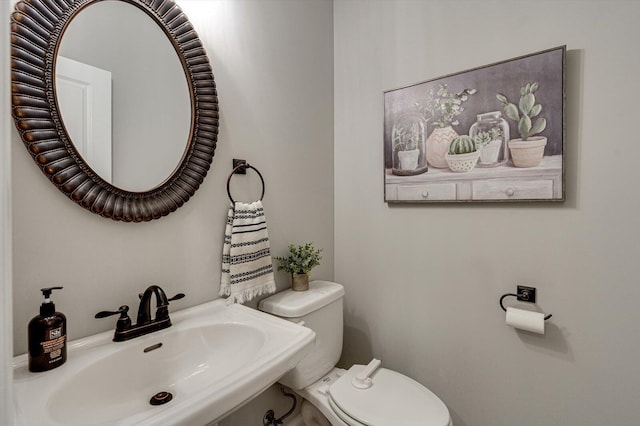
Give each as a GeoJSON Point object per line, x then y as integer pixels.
{"type": "Point", "coordinates": [248, 293]}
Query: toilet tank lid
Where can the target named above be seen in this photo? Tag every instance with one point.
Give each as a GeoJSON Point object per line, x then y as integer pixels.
{"type": "Point", "coordinates": [294, 304]}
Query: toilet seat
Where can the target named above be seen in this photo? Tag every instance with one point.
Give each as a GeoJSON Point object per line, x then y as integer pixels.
{"type": "Point", "coordinates": [392, 399]}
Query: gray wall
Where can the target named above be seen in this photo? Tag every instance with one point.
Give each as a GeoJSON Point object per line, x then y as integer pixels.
{"type": "Point", "coordinates": [423, 282]}
{"type": "Point", "coordinates": [273, 65]}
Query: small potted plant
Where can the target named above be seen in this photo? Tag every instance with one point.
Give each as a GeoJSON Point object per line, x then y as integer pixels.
{"type": "Point", "coordinates": [441, 109]}
{"type": "Point", "coordinates": [463, 154]}
{"type": "Point", "coordinates": [299, 263]}
{"type": "Point", "coordinates": [488, 143]}
{"type": "Point", "coordinates": [407, 142]}
{"type": "Point", "coordinates": [528, 150]}
{"type": "Point", "coordinates": [405, 145]}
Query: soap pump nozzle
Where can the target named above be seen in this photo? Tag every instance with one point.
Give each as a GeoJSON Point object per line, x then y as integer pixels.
{"type": "Point", "coordinates": [48, 308]}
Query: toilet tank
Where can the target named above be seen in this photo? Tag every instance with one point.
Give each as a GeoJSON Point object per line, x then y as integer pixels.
{"type": "Point", "coordinates": [320, 308]}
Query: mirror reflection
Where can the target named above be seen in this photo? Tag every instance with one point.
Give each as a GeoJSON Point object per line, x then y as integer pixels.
{"type": "Point", "coordinates": [123, 95]}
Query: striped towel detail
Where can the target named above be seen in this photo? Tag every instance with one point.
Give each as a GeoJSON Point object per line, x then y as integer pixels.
{"type": "Point", "coordinates": [247, 268]}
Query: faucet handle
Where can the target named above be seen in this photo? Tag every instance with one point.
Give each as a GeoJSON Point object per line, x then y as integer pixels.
{"type": "Point", "coordinates": [124, 322]}
{"type": "Point", "coordinates": [163, 310]}
{"type": "Point", "coordinates": [122, 310]}
{"type": "Point", "coordinates": [176, 297]}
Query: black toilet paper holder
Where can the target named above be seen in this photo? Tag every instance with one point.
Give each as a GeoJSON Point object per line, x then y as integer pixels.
{"type": "Point", "coordinates": [525, 294]}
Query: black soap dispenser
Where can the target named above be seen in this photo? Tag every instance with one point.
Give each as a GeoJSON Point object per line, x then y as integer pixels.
{"type": "Point", "coordinates": [47, 336]}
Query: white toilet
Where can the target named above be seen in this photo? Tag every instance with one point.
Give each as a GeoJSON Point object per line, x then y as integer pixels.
{"type": "Point", "coordinates": [361, 395]}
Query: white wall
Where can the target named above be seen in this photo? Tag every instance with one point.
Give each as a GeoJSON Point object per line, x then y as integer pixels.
{"type": "Point", "coordinates": [423, 282]}
{"type": "Point", "coordinates": [273, 65]}
{"type": "Point", "coordinates": [6, 308]}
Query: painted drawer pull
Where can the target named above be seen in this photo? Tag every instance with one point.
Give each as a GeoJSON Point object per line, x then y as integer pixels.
{"type": "Point", "coordinates": [510, 192]}
{"type": "Point", "coordinates": [425, 194]}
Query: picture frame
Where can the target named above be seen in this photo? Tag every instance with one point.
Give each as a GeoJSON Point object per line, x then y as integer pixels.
{"type": "Point", "coordinates": [494, 133]}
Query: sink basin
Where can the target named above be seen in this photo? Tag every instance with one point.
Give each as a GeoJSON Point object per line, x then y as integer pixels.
{"type": "Point", "coordinates": [213, 359]}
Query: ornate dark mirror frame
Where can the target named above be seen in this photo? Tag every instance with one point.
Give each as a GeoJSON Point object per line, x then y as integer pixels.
{"type": "Point", "coordinates": [37, 27]}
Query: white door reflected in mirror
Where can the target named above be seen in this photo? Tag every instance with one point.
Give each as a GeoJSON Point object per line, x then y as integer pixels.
{"type": "Point", "coordinates": [84, 94]}
{"type": "Point", "coordinates": [151, 110]}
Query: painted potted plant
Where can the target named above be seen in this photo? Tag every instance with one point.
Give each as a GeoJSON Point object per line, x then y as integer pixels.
{"type": "Point", "coordinates": [405, 145]}
{"type": "Point", "coordinates": [441, 109]}
{"type": "Point", "coordinates": [528, 150]}
{"type": "Point", "coordinates": [299, 263]}
{"type": "Point", "coordinates": [489, 143]}
{"type": "Point", "coordinates": [462, 155]}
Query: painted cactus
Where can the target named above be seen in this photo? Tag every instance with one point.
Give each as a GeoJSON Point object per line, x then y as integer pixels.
{"type": "Point", "coordinates": [529, 110]}
{"type": "Point", "coordinates": [462, 145]}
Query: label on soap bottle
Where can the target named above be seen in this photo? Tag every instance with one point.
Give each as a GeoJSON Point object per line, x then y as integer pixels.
{"type": "Point", "coordinates": [53, 347]}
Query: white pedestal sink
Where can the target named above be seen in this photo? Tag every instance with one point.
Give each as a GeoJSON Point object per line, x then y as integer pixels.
{"type": "Point", "coordinates": [213, 359]}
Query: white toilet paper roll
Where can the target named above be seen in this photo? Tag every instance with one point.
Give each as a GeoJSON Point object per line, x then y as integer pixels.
{"type": "Point", "coordinates": [526, 320]}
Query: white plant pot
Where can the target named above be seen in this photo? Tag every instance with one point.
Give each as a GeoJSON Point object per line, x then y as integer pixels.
{"type": "Point", "coordinates": [461, 163]}
{"type": "Point", "coordinates": [489, 152]}
{"type": "Point", "coordinates": [527, 153]}
{"type": "Point", "coordinates": [409, 159]}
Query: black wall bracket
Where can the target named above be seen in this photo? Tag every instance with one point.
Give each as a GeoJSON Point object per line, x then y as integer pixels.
{"type": "Point", "coordinates": [241, 170]}
{"type": "Point", "coordinates": [524, 294]}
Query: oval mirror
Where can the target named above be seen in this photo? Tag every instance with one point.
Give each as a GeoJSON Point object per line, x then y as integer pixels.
{"type": "Point", "coordinates": [164, 111]}
{"type": "Point", "coordinates": [123, 95]}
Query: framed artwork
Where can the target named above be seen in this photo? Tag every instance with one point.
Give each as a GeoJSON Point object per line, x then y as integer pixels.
{"type": "Point", "coordinates": [492, 133]}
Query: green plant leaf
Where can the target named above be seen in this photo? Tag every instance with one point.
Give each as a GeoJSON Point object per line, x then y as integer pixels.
{"type": "Point", "coordinates": [300, 260]}
{"type": "Point", "coordinates": [502, 98]}
{"type": "Point", "coordinates": [535, 110]}
{"type": "Point", "coordinates": [527, 89]}
{"type": "Point", "coordinates": [512, 111]}
{"type": "Point", "coordinates": [526, 103]}
{"type": "Point", "coordinates": [538, 126]}
{"type": "Point", "coordinates": [524, 127]}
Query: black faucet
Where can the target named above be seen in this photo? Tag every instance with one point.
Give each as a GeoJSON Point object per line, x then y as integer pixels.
{"type": "Point", "coordinates": [126, 331]}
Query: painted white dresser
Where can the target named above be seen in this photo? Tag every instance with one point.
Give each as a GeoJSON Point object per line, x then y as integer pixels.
{"type": "Point", "coordinates": [498, 183]}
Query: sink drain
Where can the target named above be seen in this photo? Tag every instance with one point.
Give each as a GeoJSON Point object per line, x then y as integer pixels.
{"type": "Point", "coordinates": [161, 398]}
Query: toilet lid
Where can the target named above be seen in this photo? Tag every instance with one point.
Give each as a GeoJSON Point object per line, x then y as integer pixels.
{"type": "Point", "coordinates": [392, 399]}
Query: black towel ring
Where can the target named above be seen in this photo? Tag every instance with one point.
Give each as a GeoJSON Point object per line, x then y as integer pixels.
{"type": "Point", "coordinates": [238, 168]}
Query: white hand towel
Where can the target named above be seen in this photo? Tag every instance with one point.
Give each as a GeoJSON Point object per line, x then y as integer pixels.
{"type": "Point", "coordinates": [247, 267]}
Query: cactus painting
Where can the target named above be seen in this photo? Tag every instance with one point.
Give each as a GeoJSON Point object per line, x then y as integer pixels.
{"type": "Point", "coordinates": [462, 145]}
{"type": "Point", "coordinates": [529, 149]}
{"type": "Point", "coordinates": [463, 154]}
{"type": "Point", "coordinates": [529, 110]}
{"type": "Point", "coordinates": [499, 130]}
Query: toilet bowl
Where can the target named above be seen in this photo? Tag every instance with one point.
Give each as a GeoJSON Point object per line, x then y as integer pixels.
{"type": "Point", "coordinates": [361, 395]}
